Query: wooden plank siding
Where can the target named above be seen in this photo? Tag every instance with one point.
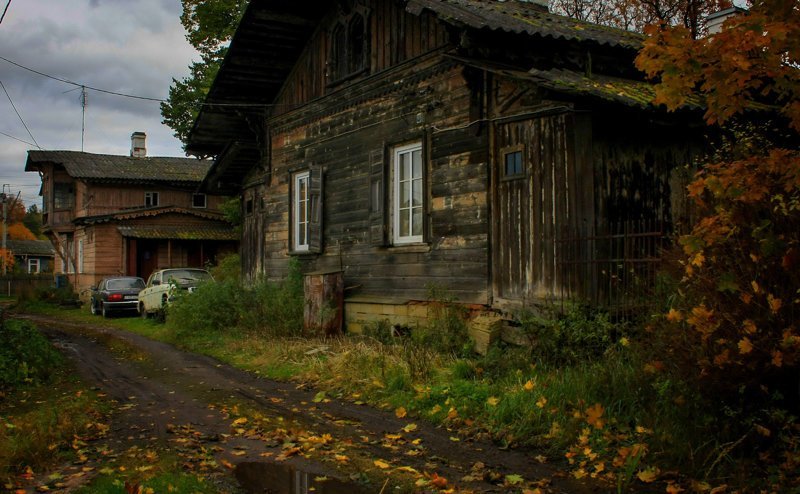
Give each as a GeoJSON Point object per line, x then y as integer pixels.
{"type": "Point", "coordinates": [454, 254]}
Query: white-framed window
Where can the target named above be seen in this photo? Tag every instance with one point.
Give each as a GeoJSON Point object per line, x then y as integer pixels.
{"type": "Point", "coordinates": [300, 211]}
{"type": "Point", "coordinates": [199, 201]}
{"type": "Point", "coordinates": [407, 198]}
{"type": "Point", "coordinates": [150, 199]}
{"type": "Point", "coordinates": [33, 266]}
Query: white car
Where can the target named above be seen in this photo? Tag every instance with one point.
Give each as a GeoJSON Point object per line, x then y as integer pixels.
{"type": "Point", "coordinates": [164, 284]}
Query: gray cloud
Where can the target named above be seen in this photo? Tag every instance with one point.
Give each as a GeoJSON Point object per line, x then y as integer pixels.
{"type": "Point", "coordinates": [117, 45]}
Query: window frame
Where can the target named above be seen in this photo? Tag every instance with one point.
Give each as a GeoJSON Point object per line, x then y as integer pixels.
{"type": "Point", "coordinates": [397, 238]}
{"type": "Point", "coordinates": [342, 65]}
{"type": "Point", "coordinates": [504, 153]}
{"type": "Point", "coordinates": [205, 200]}
{"type": "Point", "coordinates": [63, 195]}
{"type": "Point", "coordinates": [297, 225]}
{"type": "Point", "coordinates": [151, 197]}
{"type": "Point", "coordinates": [34, 261]}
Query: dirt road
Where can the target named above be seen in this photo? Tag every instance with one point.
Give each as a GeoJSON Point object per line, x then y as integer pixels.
{"type": "Point", "coordinates": [256, 435]}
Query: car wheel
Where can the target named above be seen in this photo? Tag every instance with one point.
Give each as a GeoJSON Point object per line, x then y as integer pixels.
{"type": "Point", "coordinates": [106, 313]}
{"type": "Point", "coordinates": [93, 308]}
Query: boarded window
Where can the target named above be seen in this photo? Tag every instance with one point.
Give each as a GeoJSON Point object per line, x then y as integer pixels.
{"type": "Point", "coordinates": [349, 45]}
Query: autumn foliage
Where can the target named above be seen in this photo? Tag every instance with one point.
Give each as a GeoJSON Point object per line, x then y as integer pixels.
{"type": "Point", "coordinates": [732, 328]}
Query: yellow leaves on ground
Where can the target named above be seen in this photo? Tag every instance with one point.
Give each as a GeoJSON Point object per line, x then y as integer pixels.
{"type": "Point", "coordinates": [400, 412]}
{"type": "Point", "coordinates": [528, 386]}
{"type": "Point", "coordinates": [774, 304]}
{"type": "Point", "coordinates": [410, 428]}
{"type": "Point", "coordinates": [745, 346]}
{"type": "Point", "coordinates": [452, 413]}
{"type": "Point", "coordinates": [648, 475]}
{"type": "Point", "coordinates": [674, 316]}
{"type": "Point", "coordinates": [541, 402]}
{"type": "Point", "coordinates": [594, 414]}
{"type": "Point", "coordinates": [492, 401]}
{"type": "Point", "coordinates": [381, 464]}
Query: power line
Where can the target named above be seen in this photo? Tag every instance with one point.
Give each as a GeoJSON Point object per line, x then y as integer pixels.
{"type": "Point", "coordinates": [18, 139]}
{"type": "Point", "coordinates": [4, 11]}
{"type": "Point", "coordinates": [20, 116]}
{"type": "Point", "coordinates": [67, 81]}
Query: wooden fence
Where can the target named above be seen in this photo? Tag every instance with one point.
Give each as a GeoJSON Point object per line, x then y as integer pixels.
{"type": "Point", "coordinates": [13, 285]}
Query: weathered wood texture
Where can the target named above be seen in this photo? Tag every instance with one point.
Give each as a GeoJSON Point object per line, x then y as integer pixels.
{"type": "Point", "coordinates": [551, 197]}
{"type": "Point", "coordinates": [346, 144]}
{"type": "Point", "coordinates": [394, 36]}
{"type": "Point", "coordinates": [96, 199]}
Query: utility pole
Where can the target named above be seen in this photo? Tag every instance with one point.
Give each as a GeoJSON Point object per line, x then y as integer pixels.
{"type": "Point", "coordinates": [5, 227]}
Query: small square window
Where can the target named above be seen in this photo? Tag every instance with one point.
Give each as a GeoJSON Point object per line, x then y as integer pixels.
{"type": "Point", "coordinates": [150, 199]}
{"type": "Point", "coordinates": [198, 200]}
{"type": "Point", "coordinates": [248, 206]}
{"type": "Point", "coordinates": [513, 164]}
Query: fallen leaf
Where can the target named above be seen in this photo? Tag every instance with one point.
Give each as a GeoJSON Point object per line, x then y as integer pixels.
{"type": "Point", "coordinates": [400, 412]}
{"type": "Point", "coordinates": [594, 414]}
{"type": "Point", "coordinates": [381, 464]}
{"type": "Point", "coordinates": [529, 385]}
{"type": "Point", "coordinates": [410, 428]}
{"type": "Point", "coordinates": [648, 475]}
{"type": "Point", "coordinates": [437, 481]}
{"type": "Point", "coordinates": [514, 479]}
{"type": "Point", "coordinates": [493, 401]}
{"type": "Point", "coordinates": [541, 402]}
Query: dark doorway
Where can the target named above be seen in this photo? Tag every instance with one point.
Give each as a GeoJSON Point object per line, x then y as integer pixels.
{"type": "Point", "coordinates": [146, 257]}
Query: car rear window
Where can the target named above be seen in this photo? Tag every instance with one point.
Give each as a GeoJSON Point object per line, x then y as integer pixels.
{"type": "Point", "coordinates": [125, 283]}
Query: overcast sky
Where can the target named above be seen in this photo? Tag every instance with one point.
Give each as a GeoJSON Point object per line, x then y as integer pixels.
{"type": "Point", "coordinates": [133, 47]}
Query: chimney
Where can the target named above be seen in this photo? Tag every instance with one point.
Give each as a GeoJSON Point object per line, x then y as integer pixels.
{"type": "Point", "coordinates": [714, 21]}
{"type": "Point", "coordinates": [138, 149]}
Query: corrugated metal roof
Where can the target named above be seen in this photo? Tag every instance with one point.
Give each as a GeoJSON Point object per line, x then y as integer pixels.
{"type": "Point", "coordinates": [31, 247]}
{"type": "Point", "coordinates": [178, 232]}
{"type": "Point", "coordinates": [107, 167]}
{"type": "Point", "coordinates": [524, 18]}
{"type": "Point", "coordinates": [130, 214]}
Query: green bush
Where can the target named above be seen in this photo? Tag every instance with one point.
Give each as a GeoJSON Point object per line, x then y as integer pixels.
{"type": "Point", "coordinates": [578, 335]}
{"type": "Point", "coordinates": [274, 308]}
{"type": "Point", "coordinates": [26, 357]}
{"type": "Point", "coordinates": [446, 328]}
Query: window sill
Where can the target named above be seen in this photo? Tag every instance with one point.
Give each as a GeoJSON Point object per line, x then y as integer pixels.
{"type": "Point", "coordinates": [303, 253]}
{"type": "Point", "coordinates": [411, 248]}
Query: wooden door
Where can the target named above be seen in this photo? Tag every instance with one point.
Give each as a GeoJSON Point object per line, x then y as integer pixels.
{"type": "Point", "coordinates": [146, 257]}
{"type": "Point", "coordinates": [543, 203]}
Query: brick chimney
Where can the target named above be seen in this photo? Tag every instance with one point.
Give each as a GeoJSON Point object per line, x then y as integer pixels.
{"type": "Point", "coordinates": [138, 148]}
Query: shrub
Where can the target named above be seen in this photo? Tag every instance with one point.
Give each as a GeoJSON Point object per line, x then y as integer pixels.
{"type": "Point", "coordinates": [274, 308]}
{"type": "Point", "coordinates": [26, 357]}
{"type": "Point", "coordinates": [578, 335]}
{"type": "Point", "coordinates": [446, 328]}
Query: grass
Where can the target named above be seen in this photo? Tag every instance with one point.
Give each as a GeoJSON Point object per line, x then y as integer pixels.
{"type": "Point", "coordinates": [39, 427]}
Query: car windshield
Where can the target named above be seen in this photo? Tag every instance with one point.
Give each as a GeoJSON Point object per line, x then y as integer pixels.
{"type": "Point", "coordinates": [184, 276]}
{"type": "Point", "coordinates": [125, 283]}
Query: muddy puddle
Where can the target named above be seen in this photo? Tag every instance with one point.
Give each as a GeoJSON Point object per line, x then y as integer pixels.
{"type": "Point", "coordinates": [278, 478]}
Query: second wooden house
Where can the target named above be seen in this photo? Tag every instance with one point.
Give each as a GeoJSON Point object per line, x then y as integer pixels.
{"type": "Point", "coordinates": [111, 215]}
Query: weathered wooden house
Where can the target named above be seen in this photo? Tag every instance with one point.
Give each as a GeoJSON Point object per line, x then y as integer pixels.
{"type": "Point", "coordinates": [504, 153]}
{"type": "Point", "coordinates": [110, 215]}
